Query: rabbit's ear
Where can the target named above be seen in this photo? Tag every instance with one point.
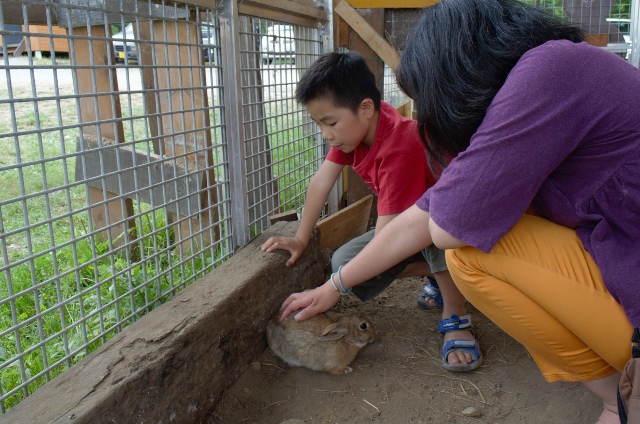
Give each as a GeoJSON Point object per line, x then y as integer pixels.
{"type": "Point", "coordinates": [331, 332]}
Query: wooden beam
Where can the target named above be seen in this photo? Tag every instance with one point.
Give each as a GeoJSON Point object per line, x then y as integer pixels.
{"type": "Point", "coordinates": [139, 173]}
{"type": "Point", "coordinates": [295, 7]}
{"type": "Point", "coordinates": [598, 40]}
{"type": "Point", "coordinates": [342, 226]}
{"type": "Point", "coordinates": [289, 216]}
{"type": "Point", "coordinates": [377, 43]}
{"type": "Point", "coordinates": [97, 109]}
{"type": "Point", "coordinates": [260, 11]}
{"type": "Point", "coordinates": [405, 109]}
{"type": "Point", "coordinates": [392, 4]}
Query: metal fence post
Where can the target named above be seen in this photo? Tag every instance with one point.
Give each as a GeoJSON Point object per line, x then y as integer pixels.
{"type": "Point", "coordinates": [634, 58]}
{"type": "Point", "coordinates": [229, 36]}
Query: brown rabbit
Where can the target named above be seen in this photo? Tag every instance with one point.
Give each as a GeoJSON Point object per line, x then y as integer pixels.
{"type": "Point", "coordinates": [326, 342]}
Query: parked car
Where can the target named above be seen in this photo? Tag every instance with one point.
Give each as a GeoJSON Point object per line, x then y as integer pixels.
{"type": "Point", "coordinates": [278, 43]}
{"type": "Point", "coordinates": [128, 47]}
{"type": "Point", "coordinates": [123, 47]}
{"type": "Point", "coordinates": [210, 37]}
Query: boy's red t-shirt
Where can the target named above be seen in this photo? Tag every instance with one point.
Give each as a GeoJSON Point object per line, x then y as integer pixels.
{"type": "Point", "coordinates": [395, 167]}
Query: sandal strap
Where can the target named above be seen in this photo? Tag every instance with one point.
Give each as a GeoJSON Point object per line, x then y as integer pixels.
{"type": "Point", "coordinates": [455, 323]}
{"type": "Point", "coordinates": [433, 282]}
{"type": "Point", "coordinates": [470, 346]}
{"type": "Point", "coordinates": [433, 293]}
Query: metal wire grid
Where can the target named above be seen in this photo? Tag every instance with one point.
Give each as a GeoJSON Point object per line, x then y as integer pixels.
{"type": "Point", "coordinates": [283, 146]}
{"type": "Point", "coordinates": [70, 281]}
{"type": "Point", "coordinates": [610, 17]}
{"type": "Point", "coordinates": [392, 93]}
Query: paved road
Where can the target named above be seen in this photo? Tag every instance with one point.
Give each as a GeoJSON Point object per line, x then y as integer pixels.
{"type": "Point", "coordinates": [20, 75]}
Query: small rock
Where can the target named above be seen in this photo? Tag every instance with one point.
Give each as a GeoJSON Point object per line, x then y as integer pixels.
{"type": "Point", "coordinates": [472, 412]}
{"type": "Point", "coordinates": [256, 366]}
{"type": "Point", "coordinates": [292, 421]}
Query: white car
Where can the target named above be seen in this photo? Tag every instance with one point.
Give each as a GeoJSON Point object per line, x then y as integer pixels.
{"type": "Point", "coordinates": [278, 43]}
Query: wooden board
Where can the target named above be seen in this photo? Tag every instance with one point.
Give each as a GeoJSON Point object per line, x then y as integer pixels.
{"type": "Point", "coordinates": [139, 174]}
{"type": "Point", "coordinates": [405, 109]}
{"type": "Point", "coordinates": [342, 226]}
{"type": "Point", "coordinates": [377, 43]}
{"type": "Point", "coordinates": [60, 44]}
{"type": "Point", "coordinates": [288, 216]}
{"type": "Point", "coordinates": [598, 40]}
{"type": "Point", "coordinates": [97, 109]}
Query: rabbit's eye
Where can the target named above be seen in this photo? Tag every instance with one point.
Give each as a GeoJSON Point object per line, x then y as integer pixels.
{"type": "Point", "coordinates": [364, 326]}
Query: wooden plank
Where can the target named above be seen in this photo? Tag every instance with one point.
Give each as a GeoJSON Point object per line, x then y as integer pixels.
{"type": "Point", "coordinates": [139, 174]}
{"type": "Point", "coordinates": [185, 129]}
{"type": "Point", "coordinates": [20, 48]}
{"type": "Point", "coordinates": [599, 40]}
{"type": "Point", "coordinates": [377, 43]}
{"type": "Point", "coordinates": [291, 7]}
{"type": "Point", "coordinates": [95, 108]}
{"type": "Point", "coordinates": [405, 109]}
{"type": "Point", "coordinates": [354, 187]}
{"type": "Point", "coordinates": [60, 45]}
{"type": "Point", "coordinates": [342, 226]}
{"type": "Point", "coordinates": [284, 216]}
{"type": "Point", "coordinates": [392, 4]}
{"type": "Point", "coordinates": [260, 11]}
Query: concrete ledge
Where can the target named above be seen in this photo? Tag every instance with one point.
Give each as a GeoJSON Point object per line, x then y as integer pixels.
{"type": "Point", "coordinates": [174, 363]}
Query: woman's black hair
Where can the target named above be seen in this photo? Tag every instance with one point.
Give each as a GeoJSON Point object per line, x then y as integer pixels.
{"type": "Point", "coordinates": [457, 58]}
{"type": "Point", "coordinates": [344, 78]}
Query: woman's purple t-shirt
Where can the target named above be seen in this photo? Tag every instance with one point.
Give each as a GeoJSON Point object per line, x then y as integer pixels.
{"type": "Point", "coordinates": [562, 136]}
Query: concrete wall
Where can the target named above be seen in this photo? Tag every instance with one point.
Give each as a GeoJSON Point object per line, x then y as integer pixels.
{"type": "Point", "coordinates": [174, 363]}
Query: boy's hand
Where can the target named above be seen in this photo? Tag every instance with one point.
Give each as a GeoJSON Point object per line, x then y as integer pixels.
{"type": "Point", "coordinates": [291, 244]}
{"type": "Point", "coordinates": [312, 302]}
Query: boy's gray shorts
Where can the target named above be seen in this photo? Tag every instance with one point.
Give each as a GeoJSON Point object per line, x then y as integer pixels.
{"type": "Point", "coordinates": [373, 287]}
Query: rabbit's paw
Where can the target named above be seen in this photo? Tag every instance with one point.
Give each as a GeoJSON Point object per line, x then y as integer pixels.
{"type": "Point", "coordinates": [345, 370]}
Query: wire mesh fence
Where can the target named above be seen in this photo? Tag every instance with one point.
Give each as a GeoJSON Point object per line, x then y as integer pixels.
{"type": "Point", "coordinates": [139, 149]}
{"type": "Point", "coordinates": [607, 22]}
{"type": "Point", "coordinates": [116, 167]}
{"type": "Point", "coordinates": [282, 144]}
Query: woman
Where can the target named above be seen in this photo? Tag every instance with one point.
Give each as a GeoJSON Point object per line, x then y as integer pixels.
{"type": "Point", "coordinates": [540, 207]}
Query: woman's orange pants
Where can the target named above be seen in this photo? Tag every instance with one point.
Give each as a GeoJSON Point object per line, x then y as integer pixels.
{"type": "Point", "coordinates": [543, 288]}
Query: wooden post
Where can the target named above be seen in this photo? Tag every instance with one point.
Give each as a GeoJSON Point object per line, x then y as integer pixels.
{"type": "Point", "coordinates": [97, 108]}
{"type": "Point", "coordinates": [373, 22]}
{"type": "Point", "coordinates": [184, 130]}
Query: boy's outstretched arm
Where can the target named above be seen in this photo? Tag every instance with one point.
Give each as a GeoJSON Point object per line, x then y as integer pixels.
{"type": "Point", "coordinates": [405, 235]}
{"type": "Point", "coordinates": [317, 193]}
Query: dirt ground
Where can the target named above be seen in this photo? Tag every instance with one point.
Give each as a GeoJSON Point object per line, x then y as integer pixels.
{"type": "Point", "coordinates": [399, 379]}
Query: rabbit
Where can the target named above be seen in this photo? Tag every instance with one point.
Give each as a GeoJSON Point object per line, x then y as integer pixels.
{"type": "Point", "coordinates": [325, 342]}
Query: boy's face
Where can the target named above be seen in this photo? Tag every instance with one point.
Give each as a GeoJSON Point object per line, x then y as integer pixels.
{"type": "Point", "coordinates": [342, 128]}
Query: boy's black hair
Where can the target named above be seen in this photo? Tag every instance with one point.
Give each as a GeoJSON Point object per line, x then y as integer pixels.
{"type": "Point", "coordinates": [457, 58]}
{"type": "Point", "coordinates": [343, 78]}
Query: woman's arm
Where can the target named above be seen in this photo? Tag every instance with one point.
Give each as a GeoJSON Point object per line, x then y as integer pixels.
{"type": "Point", "coordinates": [442, 239]}
{"type": "Point", "coordinates": [405, 235]}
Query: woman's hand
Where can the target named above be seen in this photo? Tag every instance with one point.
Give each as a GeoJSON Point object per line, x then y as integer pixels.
{"type": "Point", "coordinates": [293, 245]}
{"type": "Point", "coordinates": [312, 302]}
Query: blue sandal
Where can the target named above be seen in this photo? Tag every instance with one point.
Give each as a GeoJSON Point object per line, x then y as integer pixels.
{"type": "Point", "coordinates": [470, 346]}
{"type": "Point", "coordinates": [430, 292]}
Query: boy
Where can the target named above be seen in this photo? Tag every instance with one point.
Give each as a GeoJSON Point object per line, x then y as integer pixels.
{"type": "Point", "coordinates": [384, 148]}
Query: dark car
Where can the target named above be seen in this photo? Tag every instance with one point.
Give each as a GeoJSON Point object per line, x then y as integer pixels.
{"type": "Point", "coordinates": [124, 44]}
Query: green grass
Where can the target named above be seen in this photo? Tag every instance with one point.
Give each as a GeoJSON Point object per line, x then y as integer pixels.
{"type": "Point", "coordinates": [92, 305]}
{"type": "Point", "coordinates": [82, 290]}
